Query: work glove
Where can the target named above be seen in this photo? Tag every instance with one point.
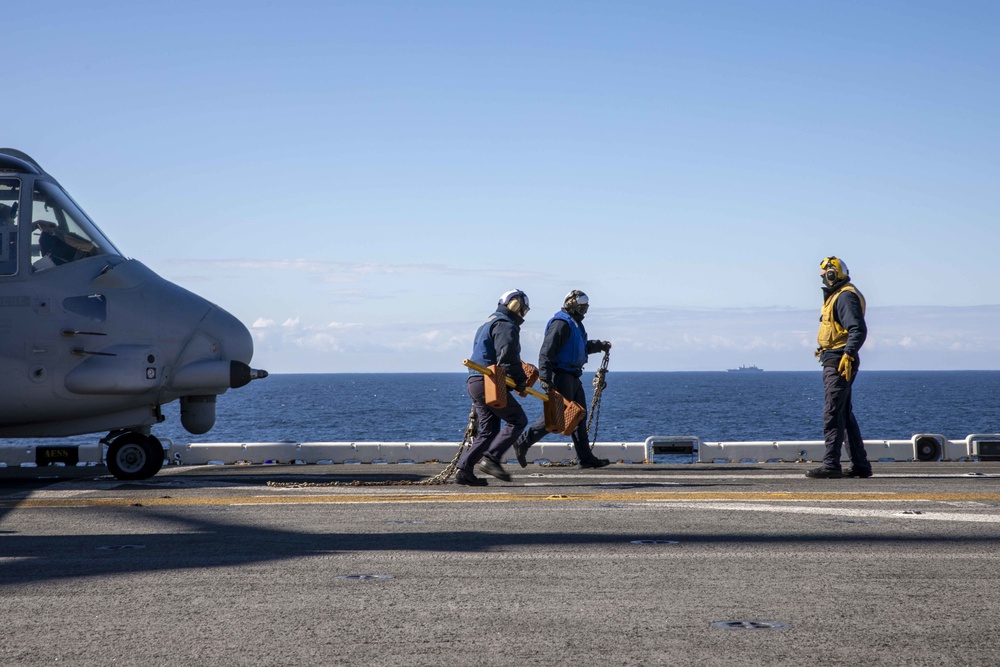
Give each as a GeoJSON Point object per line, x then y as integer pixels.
{"type": "Point", "coordinates": [521, 389]}
{"type": "Point", "coordinates": [605, 346]}
{"type": "Point", "coordinates": [846, 367]}
{"type": "Point", "coordinates": [544, 384]}
{"type": "Point", "coordinates": [818, 353]}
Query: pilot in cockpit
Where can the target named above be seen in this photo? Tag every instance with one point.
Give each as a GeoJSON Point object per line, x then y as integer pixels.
{"type": "Point", "coordinates": [46, 246]}
{"type": "Point", "coordinates": [57, 247]}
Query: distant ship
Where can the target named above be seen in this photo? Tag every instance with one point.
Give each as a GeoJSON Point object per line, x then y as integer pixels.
{"type": "Point", "coordinates": [745, 369]}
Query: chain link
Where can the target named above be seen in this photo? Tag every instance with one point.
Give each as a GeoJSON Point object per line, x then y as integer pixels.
{"type": "Point", "coordinates": [440, 478]}
{"type": "Point", "coordinates": [595, 404]}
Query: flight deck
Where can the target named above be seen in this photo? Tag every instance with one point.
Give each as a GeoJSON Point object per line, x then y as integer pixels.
{"type": "Point", "coordinates": [642, 564]}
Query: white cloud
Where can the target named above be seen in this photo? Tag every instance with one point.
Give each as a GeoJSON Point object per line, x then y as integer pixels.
{"type": "Point", "coordinates": [341, 325]}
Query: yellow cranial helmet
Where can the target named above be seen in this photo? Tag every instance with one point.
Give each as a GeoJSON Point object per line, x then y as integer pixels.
{"type": "Point", "coordinates": [833, 270]}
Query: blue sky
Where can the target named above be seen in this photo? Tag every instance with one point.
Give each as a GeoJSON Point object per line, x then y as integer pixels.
{"type": "Point", "coordinates": [359, 181]}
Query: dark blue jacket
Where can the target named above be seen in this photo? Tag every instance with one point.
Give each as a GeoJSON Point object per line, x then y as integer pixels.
{"type": "Point", "coordinates": [498, 341]}
{"type": "Point", "coordinates": [565, 347]}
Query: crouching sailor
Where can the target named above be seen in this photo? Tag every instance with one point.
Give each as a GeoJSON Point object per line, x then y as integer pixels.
{"type": "Point", "coordinates": [497, 342]}
{"type": "Point", "coordinates": [842, 332]}
{"type": "Point", "coordinates": [560, 364]}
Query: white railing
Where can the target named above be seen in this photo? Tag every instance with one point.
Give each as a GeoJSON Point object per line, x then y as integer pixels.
{"type": "Point", "coordinates": [684, 448]}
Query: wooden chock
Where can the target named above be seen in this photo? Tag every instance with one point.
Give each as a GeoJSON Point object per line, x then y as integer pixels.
{"type": "Point", "coordinates": [553, 411]}
{"type": "Point", "coordinates": [468, 363]}
{"type": "Point", "coordinates": [495, 387]}
{"type": "Point", "coordinates": [573, 413]}
{"type": "Point", "coordinates": [531, 372]}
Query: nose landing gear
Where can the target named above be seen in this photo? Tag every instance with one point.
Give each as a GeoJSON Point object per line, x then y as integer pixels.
{"type": "Point", "coordinates": [133, 455]}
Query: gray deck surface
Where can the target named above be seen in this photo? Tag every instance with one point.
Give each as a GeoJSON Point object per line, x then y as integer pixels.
{"type": "Point", "coordinates": [628, 565]}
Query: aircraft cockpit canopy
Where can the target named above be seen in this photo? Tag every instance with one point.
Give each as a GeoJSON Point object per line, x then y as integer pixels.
{"type": "Point", "coordinates": [61, 232]}
{"type": "Point", "coordinates": [10, 193]}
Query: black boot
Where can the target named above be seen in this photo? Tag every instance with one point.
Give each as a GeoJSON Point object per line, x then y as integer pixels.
{"type": "Point", "coordinates": [491, 467]}
{"type": "Point", "coordinates": [469, 479]}
{"type": "Point", "coordinates": [521, 451]}
{"type": "Point", "coordinates": [825, 473]}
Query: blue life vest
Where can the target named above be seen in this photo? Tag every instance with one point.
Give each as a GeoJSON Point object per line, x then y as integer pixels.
{"type": "Point", "coordinates": [484, 352]}
{"type": "Point", "coordinates": [573, 354]}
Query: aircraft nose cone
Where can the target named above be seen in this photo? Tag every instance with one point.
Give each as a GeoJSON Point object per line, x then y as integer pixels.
{"type": "Point", "coordinates": [234, 339]}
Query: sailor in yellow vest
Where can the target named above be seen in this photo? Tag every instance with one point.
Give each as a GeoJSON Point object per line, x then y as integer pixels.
{"type": "Point", "coordinates": [842, 332]}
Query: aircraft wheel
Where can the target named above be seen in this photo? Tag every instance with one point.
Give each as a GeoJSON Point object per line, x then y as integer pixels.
{"type": "Point", "coordinates": [135, 456]}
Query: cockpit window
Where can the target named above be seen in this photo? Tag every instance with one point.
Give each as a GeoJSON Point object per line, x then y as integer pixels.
{"type": "Point", "coordinates": [61, 232]}
{"type": "Point", "coordinates": [10, 193]}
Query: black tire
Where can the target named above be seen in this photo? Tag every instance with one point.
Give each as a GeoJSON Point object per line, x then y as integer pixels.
{"type": "Point", "coordinates": [135, 456]}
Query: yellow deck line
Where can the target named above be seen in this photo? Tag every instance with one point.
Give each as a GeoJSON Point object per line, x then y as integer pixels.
{"type": "Point", "coordinates": [309, 498]}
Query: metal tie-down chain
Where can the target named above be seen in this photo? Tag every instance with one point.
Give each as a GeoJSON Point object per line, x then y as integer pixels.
{"type": "Point", "coordinates": [595, 404]}
{"type": "Point", "coordinates": [440, 478]}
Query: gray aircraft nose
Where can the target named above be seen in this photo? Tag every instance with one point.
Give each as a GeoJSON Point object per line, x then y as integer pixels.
{"type": "Point", "coordinates": [234, 339]}
{"type": "Point", "coordinates": [227, 347]}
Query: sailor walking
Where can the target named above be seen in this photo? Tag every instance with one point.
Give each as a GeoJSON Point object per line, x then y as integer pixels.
{"type": "Point", "coordinates": [560, 364]}
{"type": "Point", "coordinates": [497, 342]}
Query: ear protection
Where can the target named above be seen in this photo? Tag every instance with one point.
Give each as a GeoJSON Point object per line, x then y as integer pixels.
{"type": "Point", "coordinates": [516, 301]}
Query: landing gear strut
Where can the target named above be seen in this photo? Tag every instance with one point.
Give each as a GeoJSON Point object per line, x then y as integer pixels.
{"type": "Point", "coordinates": [134, 456]}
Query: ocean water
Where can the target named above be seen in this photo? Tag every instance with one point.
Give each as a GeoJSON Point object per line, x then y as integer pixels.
{"type": "Point", "coordinates": [715, 406]}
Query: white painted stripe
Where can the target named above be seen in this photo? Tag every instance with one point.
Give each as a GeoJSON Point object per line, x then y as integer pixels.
{"type": "Point", "coordinates": [795, 475]}
{"type": "Point", "coordinates": [828, 511]}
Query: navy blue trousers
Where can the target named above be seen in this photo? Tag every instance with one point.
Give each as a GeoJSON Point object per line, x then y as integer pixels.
{"type": "Point", "coordinates": [569, 386]}
{"type": "Point", "coordinates": [491, 439]}
{"type": "Point", "coordinates": [840, 428]}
